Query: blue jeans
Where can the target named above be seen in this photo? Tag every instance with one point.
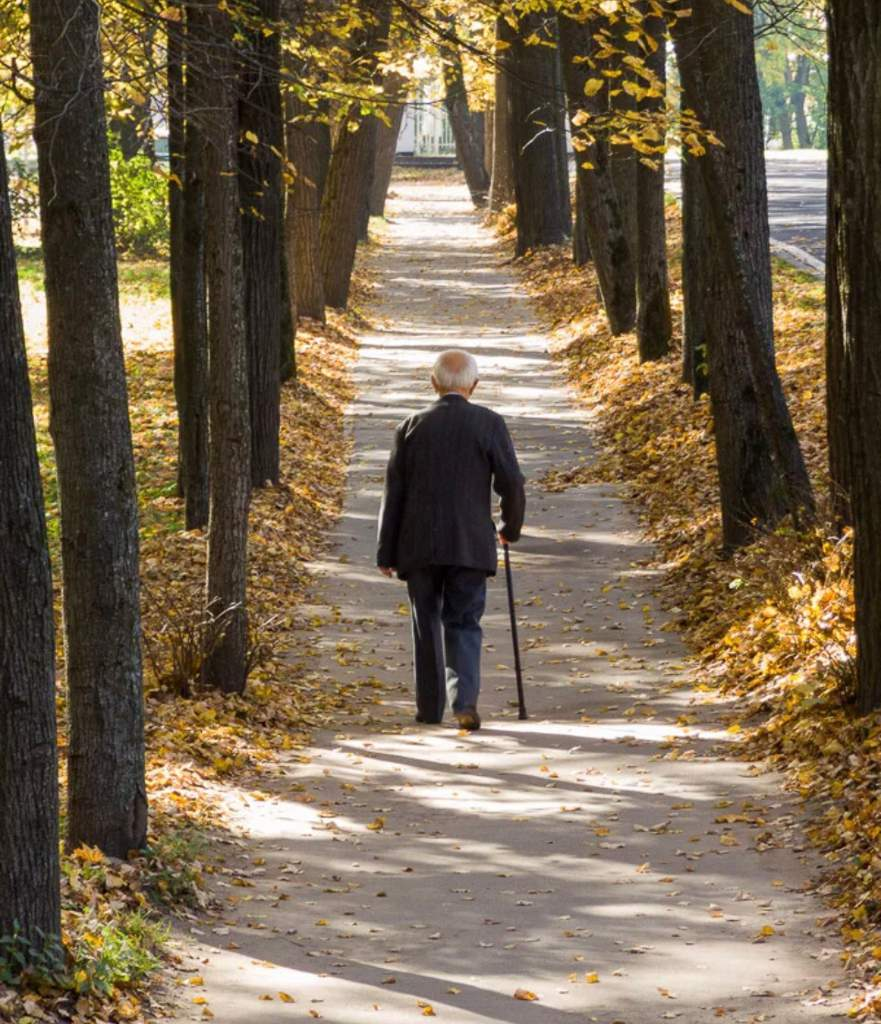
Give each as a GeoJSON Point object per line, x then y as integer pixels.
{"type": "Point", "coordinates": [447, 602]}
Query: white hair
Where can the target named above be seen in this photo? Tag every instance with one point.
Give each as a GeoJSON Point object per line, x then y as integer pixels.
{"type": "Point", "coordinates": [455, 370]}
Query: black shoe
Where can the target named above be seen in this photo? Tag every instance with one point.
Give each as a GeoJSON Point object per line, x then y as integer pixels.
{"type": "Point", "coordinates": [468, 719]}
{"type": "Point", "coordinates": [421, 720]}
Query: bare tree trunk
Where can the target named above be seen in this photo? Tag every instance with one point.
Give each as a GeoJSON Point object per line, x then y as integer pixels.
{"type": "Point", "coordinates": [799, 96]}
{"type": "Point", "coordinates": [541, 185]}
{"type": "Point", "coordinates": [623, 160]}
{"type": "Point", "coordinates": [580, 241]}
{"type": "Point", "coordinates": [488, 140]}
{"type": "Point", "coordinates": [230, 435]}
{"type": "Point", "coordinates": [262, 200]}
{"type": "Point", "coordinates": [107, 802]}
{"type": "Point", "coordinates": [853, 298]}
{"type": "Point", "coordinates": [654, 324]}
{"type": "Point", "coordinates": [308, 149]}
{"type": "Point", "coordinates": [598, 202]}
{"type": "Point", "coordinates": [469, 145]}
{"type": "Point", "coordinates": [697, 313]}
{"type": "Point", "coordinates": [346, 190]}
{"type": "Point", "coordinates": [188, 289]}
{"type": "Point", "coordinates": [721, 85]}
{"type": "Point", "coordinates": [501, 188]}
{"type": "Point", "coordinates": [386, 143]}
{"type": "Point", "coordinates": [29, 872]}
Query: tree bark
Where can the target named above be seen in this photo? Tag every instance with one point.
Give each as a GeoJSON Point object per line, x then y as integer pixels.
{"type": "Point", "coordinates": [287, 362]}
{"type": "Point", "coordinates": [346, 190]}
{"type": "Point", "coordinates": [854, 312]}
{"type": "Point", "coordinates": [230, 441]}
{"type": "Point", "coordinates": [107, 803]}
{"type": "Point", "coordinates": [386, 143]}
{"type": "Point", "coordinates": [469, 142]}
{"type": "Point", "coordinates": [697, 312]}
{"type": "Point", "coordinates": [501, 188]}
{"type": "Point", "coordinates": [29, 871]}
{"type": "Point", "coordinates": [603, 224]}
{"type": "Point", "coordinates": [187, 275]}
{"type": "Point", "coordinates": [489, 129]}
{"type": "Point", "coordinates": [541, 184]}
{"type": "Point", "coordinates": [654, 324]}
{"type": "Point", "coordinates": [799, 96]}
{"type": "Point", "coordinates": [716, 57]}
{"type": "Point", "coordinates": [262, 201]}
{"type": "Point", "coordinates": [623, 160]}
{"type": "Point", "coordinates": [308, 150]}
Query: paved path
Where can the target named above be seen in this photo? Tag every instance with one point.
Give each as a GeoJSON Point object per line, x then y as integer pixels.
{"type": "Point", "coordinates": [602, 855]}
{"type": "Point", "coordinates": [796, 205]}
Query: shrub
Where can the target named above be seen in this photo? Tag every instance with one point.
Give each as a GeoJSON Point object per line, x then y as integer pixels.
{"type": "Point", "coordinates": [140, 205]}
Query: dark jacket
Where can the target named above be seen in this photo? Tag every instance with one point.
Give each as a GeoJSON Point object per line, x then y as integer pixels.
{"type": "Point", "coordinates": [437, 505]}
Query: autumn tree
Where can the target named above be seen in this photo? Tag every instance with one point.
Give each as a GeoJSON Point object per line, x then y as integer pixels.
{"type": "Point", "coordinates": [107, 804]}
{"type": "Point", "coordinates": [230, 433]}
{"type": "Point", "coordinates": [261, 135]}
{"type": "Point", "coordinates": [394, 91]}
{"type": "Point", "coordinates": [501, 188]}
{"type": "Point", "coordinates": [469, 140]}
{"type": "Point", "coordinates": [308, 149]}
{"type": "Point", "coordinates": [347, 188]}
{"type": "Point", "coordinates": [761, 469]}
{"type": "Point", "coordinates": [189, 310]}
{"type": "Point", "coordinates": [853, 297]}
{"type": "Point", "coordinates": [597, 212]}
{"type": "Point", "coordinates": [654, 324]}
{"type": "Point", "coordinates": [535, 121]}
{"type": "Point", "coordinates": [29, 870]}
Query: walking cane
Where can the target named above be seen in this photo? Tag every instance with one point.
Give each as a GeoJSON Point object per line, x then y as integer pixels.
{"type": "Point", "coordinates": [521, 700]}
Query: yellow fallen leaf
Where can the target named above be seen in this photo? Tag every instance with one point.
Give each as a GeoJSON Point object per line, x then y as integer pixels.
{"type": "Point", "coordinates": [592, 978]}
{"type": "Point", "coordinates": [525, 995]}
{"type": "Point", "coordinates": [377, 825]}
{"type": "Point", "coordinates": [285, 998]}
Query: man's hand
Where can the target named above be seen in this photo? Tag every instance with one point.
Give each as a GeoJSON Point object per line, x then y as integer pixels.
{"type": "Point", "coordinates": [387, 570]}
{"type": "Point", "coordinates": [503, 540]}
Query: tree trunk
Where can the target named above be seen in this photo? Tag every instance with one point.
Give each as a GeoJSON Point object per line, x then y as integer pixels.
{"type": "Point", "coordinates": [386, 143]}
{"type": "Point", "coordinates": [623, 159]}
{"type": "Point", "coordinates": [489, 129]}
{"type": "Point", "coordinates": [854, 311]}
{"type": "Point", "coordinates": [230, 441]}
{"type": "Point", "coordinates": [501, 188]}
{"type": "Point", "coordinates": [541, 186]}
{"type": "Point", "coordinates": [654, 325]}
{"type": "Point", "coordinates": [346, 190]}
{"type": "Point", "coordinates": [107, 803]}
{"type": "Point", "coordinates": [603, 224]}
{"type": "Point", "coordinates": [262, 201]}
{"type": "Point", "coordinates": [762, 472]}
{"type": "Point", "coordinates": [287, 362]}
{"type": "Point", "coordinates": [799, 96]}
{"type": "Point", "coordinates": [696, 310]}
{"type": "Point", "coordinates": [308, 150]}
{"type": "Point", "coordinates": [580, 241]}
{"type": "Point", "coordinates": [187, 275]}
{"type": "Point", "coordinates": [29, 871]}
{"type": "Point", "coordinates": [469, 144]}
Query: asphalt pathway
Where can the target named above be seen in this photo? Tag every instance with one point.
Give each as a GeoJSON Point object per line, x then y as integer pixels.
{"type": "Point", "coordinates": [796, 205]}
{"type": "Point", "coordinates": [608, 860]}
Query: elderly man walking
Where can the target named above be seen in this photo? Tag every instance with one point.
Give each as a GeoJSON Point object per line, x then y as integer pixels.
{"type": "Point", "coordinates": [436, 531]}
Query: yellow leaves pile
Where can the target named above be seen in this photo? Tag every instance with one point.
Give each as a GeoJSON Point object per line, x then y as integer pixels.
{"type": "Point", "coordinates": [772, 624]}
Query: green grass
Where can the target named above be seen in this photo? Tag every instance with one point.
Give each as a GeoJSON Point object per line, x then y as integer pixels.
{"type": "Point", "coordinates": [144, 278]}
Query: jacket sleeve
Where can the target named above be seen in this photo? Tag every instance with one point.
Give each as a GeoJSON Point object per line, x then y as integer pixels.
{"type": "Point", "coordinates": [392, 507]}
{"type": "Point", "coordinates": [508, 482]}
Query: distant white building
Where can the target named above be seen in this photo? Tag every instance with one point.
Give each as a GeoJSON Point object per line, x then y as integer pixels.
{"type": "Point", "coordinates": [425, 132]}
